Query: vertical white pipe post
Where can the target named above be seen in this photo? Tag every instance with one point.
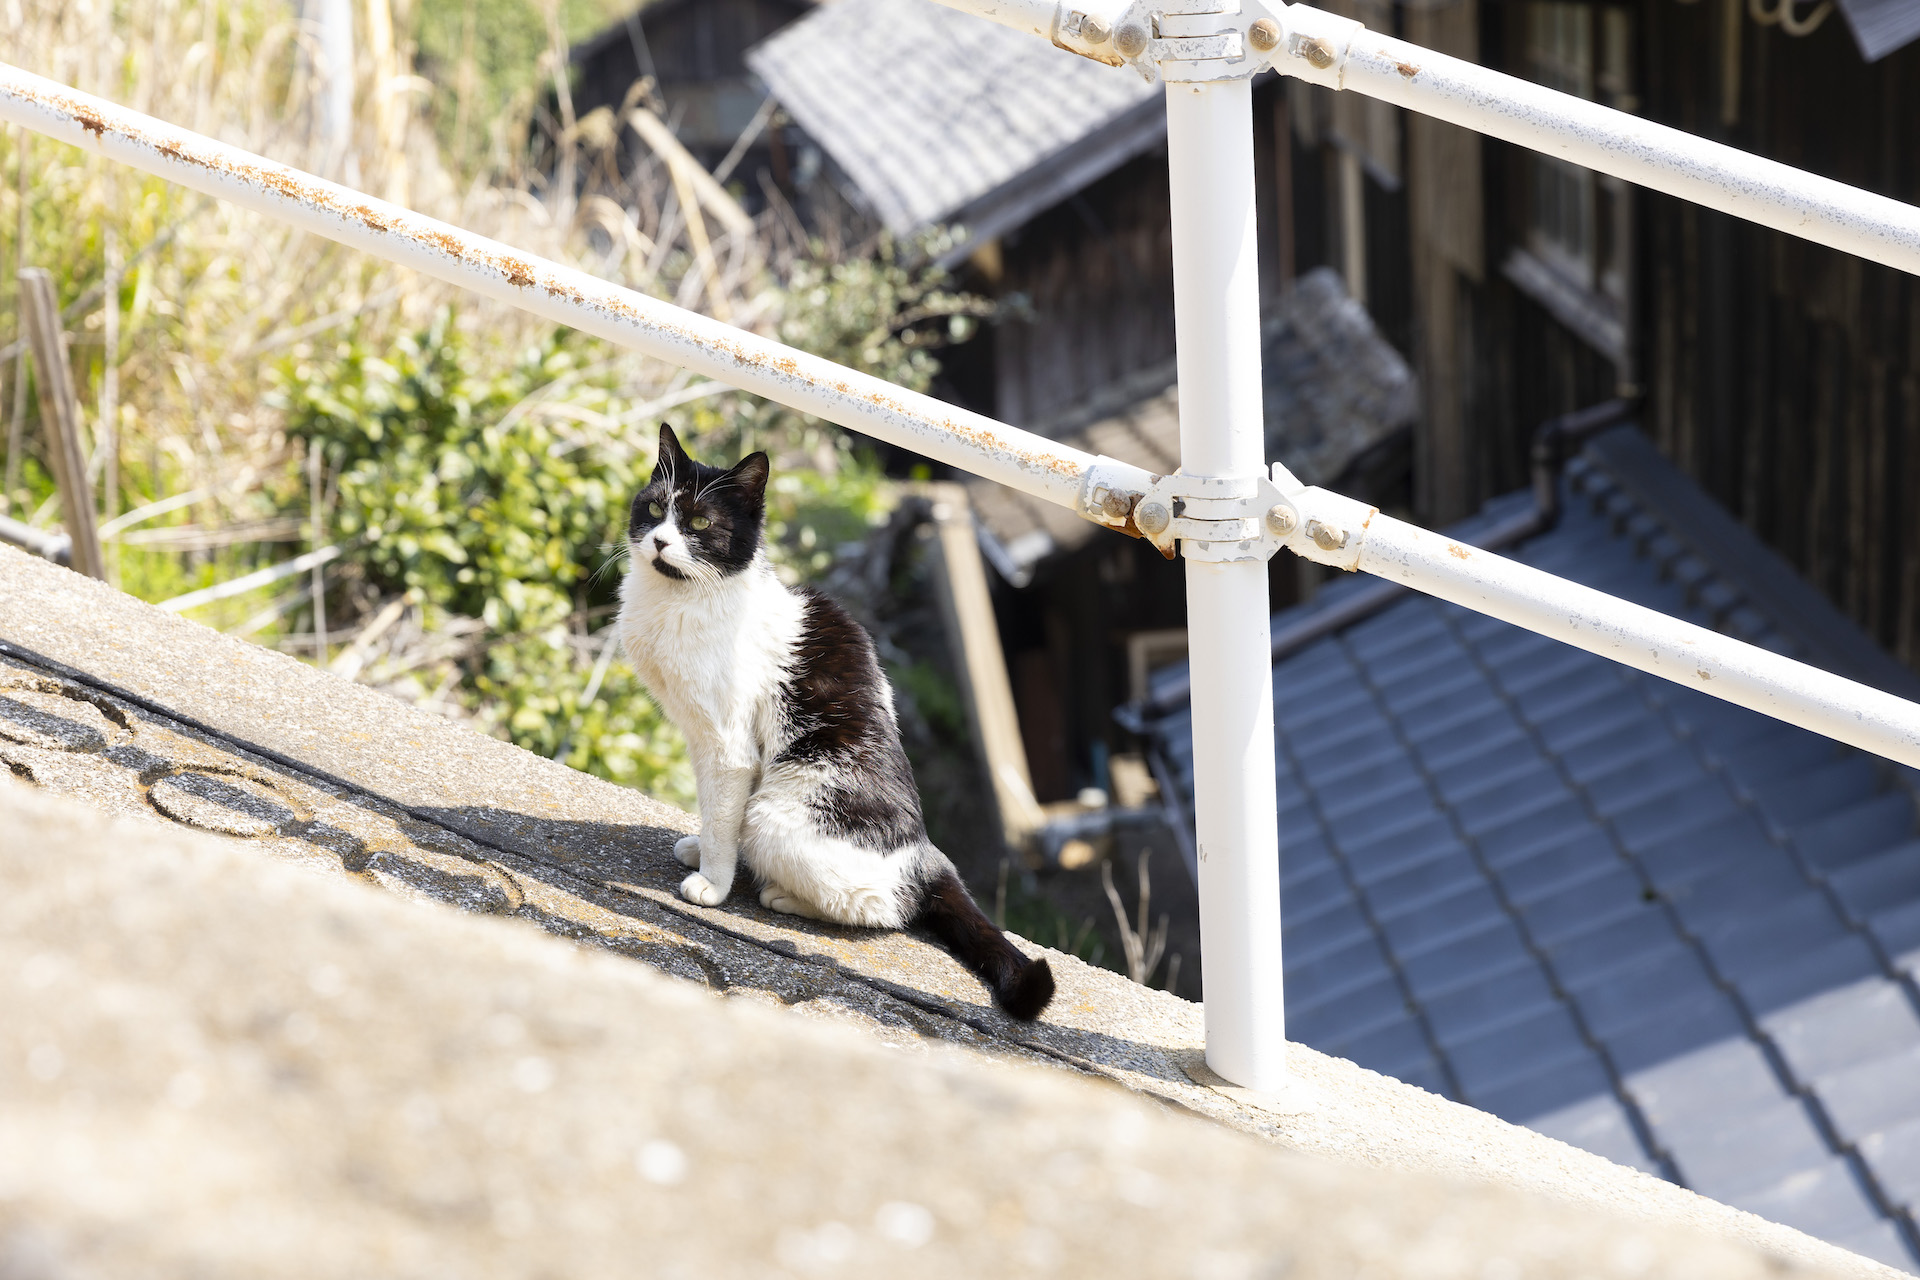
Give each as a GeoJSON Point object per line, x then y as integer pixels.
{"type": "Point", "coordinates": [1216, 293]}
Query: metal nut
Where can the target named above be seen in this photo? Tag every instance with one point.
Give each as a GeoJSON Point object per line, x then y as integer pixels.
{"type": "Point", "coordinates": [1327, 537]}
{"type": "Point", "coordinates": [1131, 40]}
{"type": "Point", "coordinates": [1094, 30]}
{"type": "Point", "coordinates": [1114, 504]}
{"type": "Point", "coordinates": [1280, 519]}
{"type": "Point", "coordinates": [1153, 519]}
{"type": "Point", "coordinates": [1264, 34]}
{"type": "Point", "coordinates": [1316, 52]}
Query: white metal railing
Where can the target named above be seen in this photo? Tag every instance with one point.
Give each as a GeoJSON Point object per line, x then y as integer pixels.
{"type": "Point", "coordinates": [1225, 509]}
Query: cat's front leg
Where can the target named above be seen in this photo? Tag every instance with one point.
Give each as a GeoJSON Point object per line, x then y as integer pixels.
{"type": "Point", "coordinates": [723, 804]}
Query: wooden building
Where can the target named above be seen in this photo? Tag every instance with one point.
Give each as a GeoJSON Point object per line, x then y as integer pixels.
{"type": "Point", "coordinates": [1783, 376]}
{"type": "Point", "coordinates": [695, 53]}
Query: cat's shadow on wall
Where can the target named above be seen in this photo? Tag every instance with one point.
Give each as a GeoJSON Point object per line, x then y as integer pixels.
{"type": "Point", "coordinates": [631, 871]}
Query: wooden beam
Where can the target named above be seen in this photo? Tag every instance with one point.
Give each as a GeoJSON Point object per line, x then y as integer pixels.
{"type": "Point", "coordinates": [60, 411]}
{"type": "Point", "coordinates": [966, 607]}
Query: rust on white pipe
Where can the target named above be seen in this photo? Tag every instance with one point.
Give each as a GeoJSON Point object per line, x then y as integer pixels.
{"type": "Point", "coordinates": [1008, 455]}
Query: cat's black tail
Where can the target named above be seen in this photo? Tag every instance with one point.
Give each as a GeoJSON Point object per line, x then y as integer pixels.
{"type": "Point", "coordinates": [1020, 986]}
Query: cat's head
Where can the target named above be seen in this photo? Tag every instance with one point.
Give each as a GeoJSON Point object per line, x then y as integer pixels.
{"type": "Point", "coordinates": [695, 523]}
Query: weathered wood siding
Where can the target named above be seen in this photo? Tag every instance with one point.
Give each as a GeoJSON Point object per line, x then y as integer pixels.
{"type": "Point", "coordinates": [1784, 376]}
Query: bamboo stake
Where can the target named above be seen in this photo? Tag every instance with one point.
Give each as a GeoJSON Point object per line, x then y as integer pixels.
{"type": "Point", "coordinates": [16, 426]}
{"type": "Point", "coordinates": [60, 411]}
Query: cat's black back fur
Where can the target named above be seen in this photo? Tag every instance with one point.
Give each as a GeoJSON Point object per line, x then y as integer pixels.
{"type": "Point", "coordinates": [837, 702]}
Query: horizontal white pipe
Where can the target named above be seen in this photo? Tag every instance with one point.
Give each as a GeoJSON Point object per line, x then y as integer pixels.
{"type": "Point", "coordinates": [250, 582]}
{"type": "Point", "coordinates": [1035, 17]}
{"type": "Point", "coordinates": [1653, 642]}
{"type": "Point", "coordinates": [1007, 455]}
{"type": "Point", "coordinates": [1599, 138]}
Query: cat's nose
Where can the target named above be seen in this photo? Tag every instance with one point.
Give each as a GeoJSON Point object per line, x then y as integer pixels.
{"type": "Point", "coordinates": [659, 543]}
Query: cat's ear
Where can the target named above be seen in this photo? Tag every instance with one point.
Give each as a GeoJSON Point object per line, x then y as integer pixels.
{"type": "Point", "coordinates": [751, 474]}
{"type": "Point", "coordinates": [671, 458]}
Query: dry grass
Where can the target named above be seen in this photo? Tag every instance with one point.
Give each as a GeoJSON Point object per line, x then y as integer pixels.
{"type": "Point", "coordinates": [179, 307]}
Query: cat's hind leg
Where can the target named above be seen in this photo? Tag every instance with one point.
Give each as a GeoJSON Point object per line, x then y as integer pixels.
{"type": "Point", "coordinates": [687, 849]}
{"type": "Point", "coordinates": [816, 873]}
{"type": "Point", "coordinates": [776, 898]}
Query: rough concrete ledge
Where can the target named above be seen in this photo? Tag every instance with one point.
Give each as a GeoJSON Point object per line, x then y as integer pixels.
{"type": "Point", "coordinates": [216, 1066]}
{"type": "Point", "coordinates": [139, 713]}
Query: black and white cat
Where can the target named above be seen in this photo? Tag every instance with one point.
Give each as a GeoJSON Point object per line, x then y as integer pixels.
{"type": "Point", "coordinates": [790, 722]}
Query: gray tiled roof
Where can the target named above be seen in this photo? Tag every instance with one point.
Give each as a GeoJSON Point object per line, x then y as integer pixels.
{"type": "Point", "coordinates": [1332, 387]}
{"type": "Point", "coordinates": [1655, 925]}
{"type": "Point", "coordinates": [938, 116]}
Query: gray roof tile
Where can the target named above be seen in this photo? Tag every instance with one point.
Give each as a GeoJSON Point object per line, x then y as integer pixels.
{"type": "Point", "coordinates": [1847, 958]}
{"type": "Point", "coordinates": [1598, 1123]}
{"type": "Point", "coordinates": [1594, 954]}
{"type": "Point", "coordinates": [1825, 1201]}
{"type": "Point", "coordinates": [1464, 912]}
{"type": "Point", "coordinates": [1337, 973]}
{"type": "Point", "coordinates": [1687, 856]}
{"type": "Point", "coordinates": [1646, 778]}
{"type": "Point", "coordinates": [1391, 1049]}
{"type": "Point", "coordinates": [1872, 1097]}
{"type": "Point", "coordinates": [1614, 908]}
{"type": "Point", "coordinates": [1858, 832]}
{"type": "Point", "coordinates": [1667, 974]}
{"type": "Point", "coordinates": [1684, 1092]}
{"type": "Point", "coordinates": [1786, 753]}
{"type": "Point", "coordinates": [1734, 891]}
{"type": "Point", "coordinates": [1635, 737]}
{"type": "Point", "coordinates": [1555, 866]}
{"type": "Point", "coordinates": [1517, 1050]}
{"type": "Point", "coordinates": [1770, 1142]}
{"type": "Point", "coordinates": [1521, 835]}
{"type": "Point", "coordinates": [1556, 1086]}
{"type": "Point", "coordinates": [1882, 882]}
{"type": "Point", "coordinates": [1897, 929]}
{"type": "Point", "coordinates": [1841, 784]}
{"type": "Point", "coordinates": [1314, 891]}
{"type": "Point", "coordinates": [1426, 837]}
{"type": "Point", "coordinates": [1352, 1013]}
{"type": "Point", "coordinates": [1844, 1027]}
{"type": "Point", "coordinates": [1427, 884]}
{"type": "Point", "coordinates": [1670, 1027]}
{"type": "Point", "coordinates": [1470, 959]}
{"type": "Point", "coordinates": [1587, 904]}
{"type": "Point", "coordinates": [1495, 1001]}
{"type": "Point", "coordinates": [1325, 932]}
{"type": "Point", "coordinates": [1675, 813]}
{"type": "Point", "coordinates": [1894, 1156]}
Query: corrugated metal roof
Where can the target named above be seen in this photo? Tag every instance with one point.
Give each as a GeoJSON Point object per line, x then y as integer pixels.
{"type": "Point", "coordinates": [1333, 388]}
{"type": "Point", "coordinates": [1652, 924]}
{"type": "Point", "coordinates": [940, 117]}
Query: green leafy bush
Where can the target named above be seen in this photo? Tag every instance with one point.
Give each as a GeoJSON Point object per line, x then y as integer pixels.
{"type": "Point", "coordinates": [449, 487]}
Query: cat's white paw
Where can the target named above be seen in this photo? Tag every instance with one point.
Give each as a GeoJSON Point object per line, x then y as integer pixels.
{"type": "Point", "coordinates": [700, 891]}
{"type": "Point", "coordinates": [774, 898]}
{"type": "Point", "coordinates": [687, 849]}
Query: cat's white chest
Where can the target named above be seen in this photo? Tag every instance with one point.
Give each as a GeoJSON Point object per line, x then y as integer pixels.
{"type": "Point", "coordinates": [713, 658]}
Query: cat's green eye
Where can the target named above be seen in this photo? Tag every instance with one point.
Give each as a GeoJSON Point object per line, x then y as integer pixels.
{"type": "Point", "coordinates": [698, 523]}
{"type": "Point", "coordinates": [655, 510]}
